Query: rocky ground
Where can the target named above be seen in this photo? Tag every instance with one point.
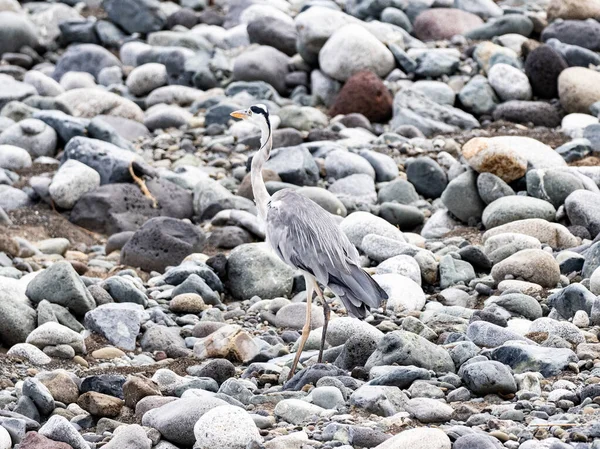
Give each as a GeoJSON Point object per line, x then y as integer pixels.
{"type": "Point", "coordinates": [456, 141]}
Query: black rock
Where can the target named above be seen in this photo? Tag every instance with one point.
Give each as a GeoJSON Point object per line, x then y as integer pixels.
{"type": "Point", "coordinates": [583, 33]}
{"type": "Point", "coordinates": [274, 33]}
{"type": "Point", "coordinates": [427, 176]}
{"type": "Point", "coordinates": [102, 130]}
{"type": "Point", "coordinates": [537, 112]}
{"type": "Point", "coordinates": [591, 391]}
{"type": "Point", "coordinates": [88, 58]}
{"type": "Point", "coordinates": [109, 34]}
{"type": "Point", "coordinates": [490, 316]}
{"type": "Point", "coordinates": [356, 351]}
{"type": "Point", "coordinates": [78, 31]}
{"type": "Point", "coordinates": [543, 66]}
{"type": "Point", "coordinates": [218, 263]}
{"type": "Point", "coordinates": [571, 265]}
{"type": "Point", "coordinates": [110, 384]}
{"type": "Point", "coordinates": [287, 137]}
{"type": "Point", "coordinates": [476, 257]}
{"type": "Point", "coordinates": [218, 369]}
{"type": "Point", "coordinates": [162, 242]}
{"type": "Point", "coordinates": [136, 16]}
{"type": "Point", "coordinates": [311, 375]}
{"type": "Point", "coordinates": [116, 208]}
{"type": "Point", "coordinates": [178, 275]}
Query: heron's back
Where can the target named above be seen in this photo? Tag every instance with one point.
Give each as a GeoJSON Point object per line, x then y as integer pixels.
{"type": "Point", "coordinates": [307, 237]}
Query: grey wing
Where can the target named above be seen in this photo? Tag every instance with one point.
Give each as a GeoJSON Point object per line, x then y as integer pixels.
{"type": "Point", "coordinates": [307, 237]}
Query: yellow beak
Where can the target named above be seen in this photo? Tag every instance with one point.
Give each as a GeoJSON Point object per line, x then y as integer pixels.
{"type": "Point", "coordinates": [240, 114]}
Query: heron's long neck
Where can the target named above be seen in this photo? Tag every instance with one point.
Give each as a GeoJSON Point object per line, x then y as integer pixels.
{"type": "Point", "coordinates": [261, 195]}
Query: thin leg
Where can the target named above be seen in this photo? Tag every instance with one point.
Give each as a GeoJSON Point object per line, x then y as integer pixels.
{"type": "Point", "coordinates": [327, 315]}
{"type": "Point", "coordinates": [306, 328]}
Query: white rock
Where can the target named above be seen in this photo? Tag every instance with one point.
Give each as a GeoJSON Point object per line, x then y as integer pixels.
{"type": "Point", "coordinates": [5, 440]}
{"type": "Point", "coordinates": [46, 86]}
{"type": "Point", "coordinates": [226, 427]}
{"type": "Point", "coordinates": [404, 293]}
{"type": "Point", "coordinates": [296, 411]}
{"type": "Point", "coordinates": [72, 180]}
{"type": "Point", "coordinates": [29, 352]}
{"type": "Point", "coordinates": [573, 124]}
{"type": "Point", "coordinates": [581, 319]}
{"type": "Point", "coordinates": [509, 82]}
{"type": "Point", "coordinates": [595, 282]}
{"type": "Point", "coordinates": [419, 438]}
{"type": "Point", "coordinates": [341, 329]}
{"type": "Point", "coordinates": [147, 77]}
{"type": "Point", "coordinates": [14, 158]}
{"type": "Point", "coordinates": [352, 49]}
{"type": "Point", "coordinates": [359, 224]}
{"type": "Point", "coordinates": [402, 264]}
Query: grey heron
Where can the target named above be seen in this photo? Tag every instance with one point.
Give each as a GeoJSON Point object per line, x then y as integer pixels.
{"type": "Point", "coordinates": [307, 237]}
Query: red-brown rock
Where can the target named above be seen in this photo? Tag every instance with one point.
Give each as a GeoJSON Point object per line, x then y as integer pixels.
{"type": "Point", "coordinates": [34, 440]}
{"type": "Point", "coordinates": [442, 23]}
{"type": "Point", "coordinates": [365, 93]}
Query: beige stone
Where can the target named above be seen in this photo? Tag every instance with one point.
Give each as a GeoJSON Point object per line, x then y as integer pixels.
{"type": "Point", "coordinates": [532, 265]}
{"type": "Point", "coordinates": [101, 405]}
{"type": "Point", "coordinates": [488, 156]}
{"type": "Point", "coordinates": [88, 103]}
{"type": "Point", "coordinates": [578, 89]}
{"type": "Point", "coordinates": [187, 303]}
{"type": "Point", "coordinates": [573, 9]}
{"type": "Point", "coordinates": [109, 352]}
{"type": "Point", "coordinates": [553, 234]}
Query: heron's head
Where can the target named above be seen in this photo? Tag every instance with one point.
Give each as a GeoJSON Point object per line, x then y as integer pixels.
{"type": "Point", "coordinates": [256, 114]}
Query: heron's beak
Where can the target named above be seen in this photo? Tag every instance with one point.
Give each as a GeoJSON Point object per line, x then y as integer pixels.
{"type": "Point", "coordinates": [240, 114]}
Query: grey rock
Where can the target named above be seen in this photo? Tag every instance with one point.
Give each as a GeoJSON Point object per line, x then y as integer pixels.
{"type": "Point", "coordinates": [507, 24]}
{"type": "Point", "coordinates": [124, 290]}
{"type": "Point", "coordinates": [250, 266]}
{"type": "Point", "coordinates": [294, 165]}
{"type": "Point", "coordinates": [410, 349]}
{"type": "Point", "coordinates": [162, 242]}
{"type": "Point", "coordinates": [434, 64]}
{"type": "Point", "coordinates": [583, 209]}
{"type": "Point", "coordinates": [110, 161]}
{"type": "Point", "coordinates": [131, 436]}
{"type": "Point", "coordinates": [136, 16]}
{"type": "Point", "coordinates": [12, 198]}
{"type": "Point", "coordinates": [340, 164]}
{"type": "Point", "coordinates": [296, 411]}
{"type": "Point", "coordinates": [13, 90]}
{"type": "Point", "coordinates": [401, 377]}
{"type": "Point", "coordinates": [17, 319]}
{"type": "Point", "coordinates": [45, 86]}
{"type": "Point", "coordinates": [57, 428]}
{"type": "Point", "coordinates": [162, 338]}
{"type": "Point", "coordinates": [40, 395]}
{"type": "Point", "coordinates": [518, 304]}
{"type": "Point", "coordinates": [66, 126]}
{"type": "Point", "coordinates": [524, 358]}
{"type": "Point", "coordinates": [89, 58]}
{"type": "Point", "coordinates": [401, 215]}
{"type": "Point", "coordinates": [488, 378]}
{"type": "Point", "coordinates": [491, 188]}
{"type": "Point", "coordinates": [427, 176]}
{"type": "Point", "coordinates": [118, 323]}
{"type": "Point", "coordinates": [71, 182]}
{"type": "Point", "coordinates": [400, 191]}
{"type": "Point", "coordinates": [226, 426]}
{"type": "Point", "coordinates": [61, 285]}
{"type": "Point", "coordinates": [167, 117]}
{"type": "Point", "coordinates": [553, 186]}
{"type": "Point", "coordinates": [145, 78]}
{"type": "Point", "coordinates": [428, 410]}
{"type": "Point", "coordinates": [573, 32]}
{"type": "Point", "coordinates": [14, 158]}
{"type": "Point", "coordinates": [380, 400]}
{"type": "Point", "coordinates": [359, 224]}
{"type": "Point", "coordinates": [356, 192]}
{"type": "Point", "coordinates": [412, 108]}
{"type": "Point", "coordinates": [478, 441]}
{"type": "Point", "coordinates": [462, 199]}
{"type": "Point", "coordinates": [33, 135]}
{"type": "Point", "coordinates": [509, 82]}
{"type": "Point", "coordinates": [273, 72]}
{"type": "Point", "coordinates": [478, 96]}
{"type": "Point", "coordinates": [513, 208]}
{"type": "Point", "coordinates": [488, 335]}
{"type": "Point", "coordinates": [17, 31]}
{"type": "Point", "coordinates": [454, 271]}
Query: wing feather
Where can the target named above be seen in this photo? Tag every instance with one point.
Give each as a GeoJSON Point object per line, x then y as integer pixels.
{"type": "Point", "coordinates": [307, 237]}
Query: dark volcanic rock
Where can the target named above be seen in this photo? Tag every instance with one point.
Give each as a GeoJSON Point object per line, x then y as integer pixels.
{"type": "Point", "coordinates": [543, 66]}
{"type": "Point", "coordinates": [274, 33]}
{"type": "Point", "coordinates": [162, 242]}
{"type": "Point", "coordinates": [366, 94]}
{"type": "Point", "coordinates": [311, 375]}
{"type": "Point", "coordinates": [123, 207]}
{"type": "Point", "coordinates": [536, 112]}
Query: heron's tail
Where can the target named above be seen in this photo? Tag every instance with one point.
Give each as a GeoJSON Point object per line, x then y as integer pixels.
{"type": "Point", "coordinates": [357, 290]}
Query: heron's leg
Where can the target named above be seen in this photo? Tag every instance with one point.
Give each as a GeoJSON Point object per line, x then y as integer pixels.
{"type": "Point", "coordinates": [326, 314]}
{"type": "Point", "coordinates": [306, 328]}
